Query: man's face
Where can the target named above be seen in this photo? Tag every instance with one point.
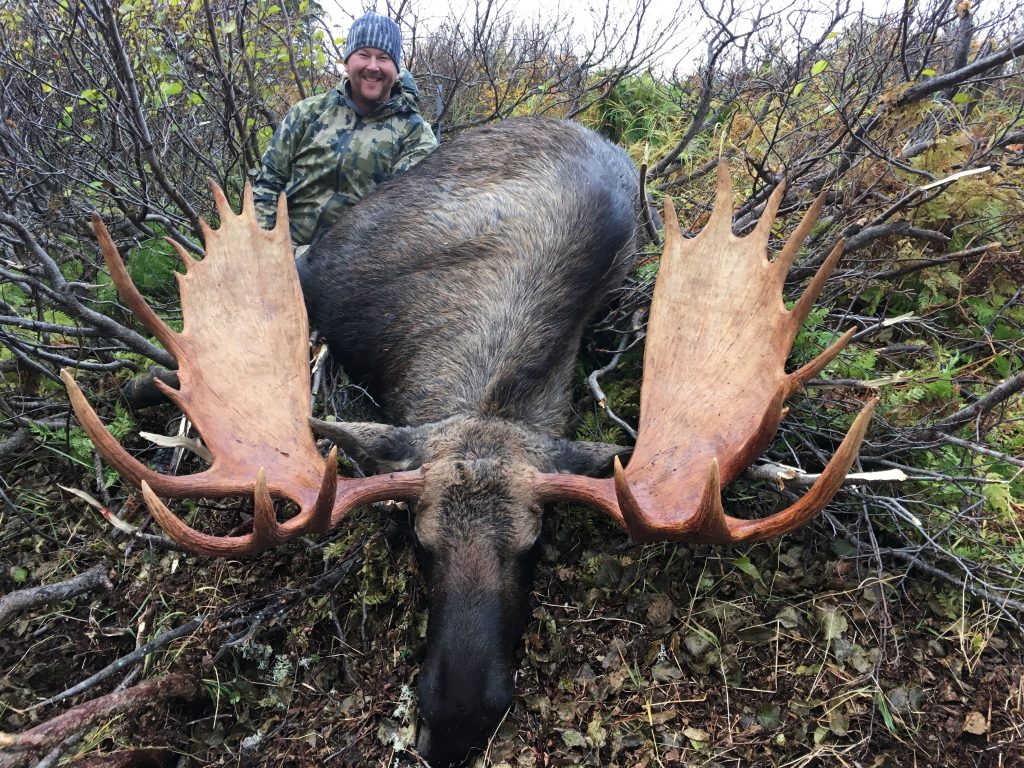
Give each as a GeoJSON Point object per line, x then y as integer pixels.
{"type": "Point", "coordinates": [372, 74]}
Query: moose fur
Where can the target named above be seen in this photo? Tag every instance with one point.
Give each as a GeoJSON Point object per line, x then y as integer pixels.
{"type": "Point", "coordinates": [457, 294]}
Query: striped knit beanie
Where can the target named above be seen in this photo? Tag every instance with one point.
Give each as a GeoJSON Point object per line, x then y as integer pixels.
{"type": "Point", "coordinates": [371, 30]}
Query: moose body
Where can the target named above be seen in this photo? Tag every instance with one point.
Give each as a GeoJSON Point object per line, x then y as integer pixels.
{"type": "Point", "coordinates": [458, 294]}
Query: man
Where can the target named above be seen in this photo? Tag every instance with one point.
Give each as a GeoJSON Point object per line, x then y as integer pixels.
{"type": "Point", "coordinates": [332, 149]}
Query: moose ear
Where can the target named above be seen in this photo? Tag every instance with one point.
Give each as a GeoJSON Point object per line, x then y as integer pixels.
{"type": "Point", "coordinates": [381, 447]}
{"type": "Point", "coordinates": [579, 457]}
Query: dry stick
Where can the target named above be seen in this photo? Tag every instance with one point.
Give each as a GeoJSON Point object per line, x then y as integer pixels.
{"type": "Point", "coordinates": [90, 581]}
{"type": "Point", "coordinates": [979, 66]}
{"type": "Point", "coordinates": [602, 399]}
{"type": "Point", "coordinates": [645, 209]}
{"type": "Point", "coordinates": [124, 661]}
{"type": "Point", "coordinates": [51, 758]}
{"type": "Point", "coordinates": [998, 394]}
{"type": "Point", "coordinates": [784, 476]}
{"type": "Point", "coordinates": [961, 443]}
{"type": "Point", "coordinates": [62, 295]}
{"type": "Point", "coordinates": [143, 757]}
{"type": "Point", "coordinates": [172, 686]}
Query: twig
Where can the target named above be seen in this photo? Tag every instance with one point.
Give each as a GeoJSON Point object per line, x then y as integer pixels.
{"type": "Point", "coordinates": [645, 209]}
{"type": "Point", "coordinates": [599, 395]}
{"type": "Point", "coordinates": [967, 582]}
{"type": "Point", "coordinates": [90, 581]}
{"type": "Point", "coordinates": [122, 525]}
{"type": "Point", "coordinates": [125, 661]}
{"type": "Point", "coordinates": [54, 755]}
{"type": "Point", "coordinates": [976, 448]}
{"type": "Point", "coordinates": [957, 76]}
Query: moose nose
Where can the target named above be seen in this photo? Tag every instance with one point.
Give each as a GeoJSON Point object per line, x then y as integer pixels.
{"type": "Point", "coordinates": [459, 712]}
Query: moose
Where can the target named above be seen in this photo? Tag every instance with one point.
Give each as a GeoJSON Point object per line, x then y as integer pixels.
{"type": "Point", "coordinates": [458, 294]}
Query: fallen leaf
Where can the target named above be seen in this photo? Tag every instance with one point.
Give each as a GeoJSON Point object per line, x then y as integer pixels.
{"type": "Point", "coordinates": [976, 723]}
{"type": "Point", "coordinates": [573, 739]}
{"type": "Point", "coordinates": [832, 621]}
{"type": "Point", "coordinates": [660, 609]}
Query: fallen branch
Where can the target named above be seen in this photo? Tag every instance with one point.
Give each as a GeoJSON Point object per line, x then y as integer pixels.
{"type": "Point", "coordinates": [128, 758]}
{"type": "Point", "coordinates": [600, 396]}
{"type": "Point", "coordinates": [118, 523]}
{"type": "Point", "coordinates": [784, 475]}
{"type": "Point", "coordinates": [48, 734]}
{"type": "Point", "coordinates": [971, 446]}
{"type": "Point", "coordinates": [998, 394]}
{"type": "Point", "coordinates": [90, 581]}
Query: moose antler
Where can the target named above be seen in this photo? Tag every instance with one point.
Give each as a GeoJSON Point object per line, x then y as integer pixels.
{"type": "Point", "coordinates": [715, 384]}
{"type": "Point", "coordinates": [243, 368]}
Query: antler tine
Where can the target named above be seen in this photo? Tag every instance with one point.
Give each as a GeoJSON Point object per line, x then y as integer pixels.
{"type": "Point", "coordinates": [320, 520]}
{"type": "Point", "coordinates": [208, 483]}
{"type": "Point", "coordinates": [721, 212]}
{"type": "Point", "coordinates": [193, 540]}
{"type": "Point", "coordinates": [809, 370]}
{"type": "Point", "coordinates": [247, 199]}
{"type": "Point", "coordinates": [807, 507]}
{"type": "Point", "coordinates": [266, 531]}
{"type": "Point", "coordinates": [704, 524]}
{"type": "Point", "coordinates": [784, 260]}
{"type": "Point", "coordinates": [129, 293]}
{"type": "Point", "coordinates": [224, 210]}
{"type": "Point", "coordinates": [709, 524]}
{"type": "Point", "coordinates": [771, 208]}
{"type": "Point", "coordinates": [803, 306]}
{"type": "Point", "coordinates": [187, 259]}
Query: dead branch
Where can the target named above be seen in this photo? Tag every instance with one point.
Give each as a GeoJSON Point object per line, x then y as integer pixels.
{"type": "Point", "coordinates": [784, 476]}
{"type": "Point", "coordinates": [128, 758]}
{"type": "Point", "coordinates": [90, 581]}
{"type": "Point", "coordinates": [1010, 607]}
{"type": "Point", "coordinates": [959, 76]}
{"type": "Point", "coordinates": [999, 394]}
{"type": "Point", "coordinates": [172, 687]}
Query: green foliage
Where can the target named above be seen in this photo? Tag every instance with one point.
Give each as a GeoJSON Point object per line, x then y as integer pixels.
{"type": "Point", "coordinates": [76, 446]}
{"type": "Point", "coordinates": [813, 338]}
{"type": "Point", "coordinates": [152, 266]}
{"type": "Point", "coordinates": [643, 113]}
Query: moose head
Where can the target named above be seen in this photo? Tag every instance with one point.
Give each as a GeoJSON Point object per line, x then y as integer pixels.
{"type": "Point", "coordinates": [713, 394]}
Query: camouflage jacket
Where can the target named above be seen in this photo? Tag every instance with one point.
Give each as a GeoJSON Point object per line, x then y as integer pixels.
{"type": "Point", "coordinates": [325, 155]}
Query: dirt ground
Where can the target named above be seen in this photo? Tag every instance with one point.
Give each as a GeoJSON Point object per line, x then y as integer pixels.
{"type": "Point", "coordinates": [791, 653]}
